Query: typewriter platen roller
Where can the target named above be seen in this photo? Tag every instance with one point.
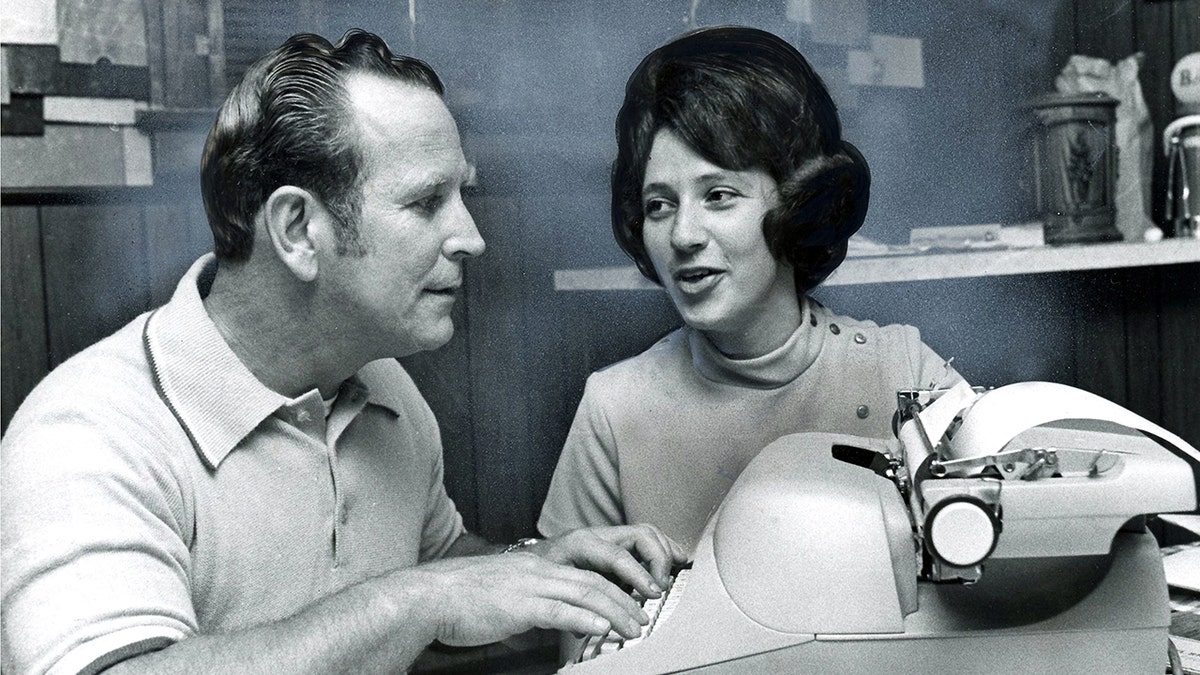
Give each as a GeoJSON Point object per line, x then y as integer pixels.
{"type": "Point", "coordinates": [1001, 532]}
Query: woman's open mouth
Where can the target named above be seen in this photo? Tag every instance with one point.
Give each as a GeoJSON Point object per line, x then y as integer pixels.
{"type": "Point", "coordinates": [697, 279]}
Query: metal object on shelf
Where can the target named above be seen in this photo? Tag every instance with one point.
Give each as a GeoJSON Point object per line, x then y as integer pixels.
{"type": "Point", "coordinates": [1075, 160]}
{"type": "Point", "coordinates": [1181, 143]}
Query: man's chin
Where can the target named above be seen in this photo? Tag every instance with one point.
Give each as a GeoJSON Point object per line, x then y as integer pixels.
{"type": "Point", "coordinates": [427, 342]}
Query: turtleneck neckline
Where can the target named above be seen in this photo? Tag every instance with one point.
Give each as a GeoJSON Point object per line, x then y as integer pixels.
{"type": "Point", "coordinates": [769, 371]}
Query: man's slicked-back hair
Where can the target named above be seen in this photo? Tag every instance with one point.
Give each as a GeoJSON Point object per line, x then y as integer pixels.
{"type": "Point", "coordinates": [743, 98]}
{"type": "Point", "coordinates": [289, 122]}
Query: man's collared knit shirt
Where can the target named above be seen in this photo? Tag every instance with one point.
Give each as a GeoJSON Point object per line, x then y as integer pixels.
{"type": "Point", "coordinates": [154, 489]}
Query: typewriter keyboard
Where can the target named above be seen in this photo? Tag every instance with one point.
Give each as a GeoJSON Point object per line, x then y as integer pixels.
{"type": "Point", "coordinates": [658, 609]}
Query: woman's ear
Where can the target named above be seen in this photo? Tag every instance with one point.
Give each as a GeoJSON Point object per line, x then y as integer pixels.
{"type": "Point", "coordinates": [290, 215]}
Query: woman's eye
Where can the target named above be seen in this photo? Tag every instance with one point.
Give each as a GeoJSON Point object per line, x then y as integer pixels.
{"type": "Point", "coordinates": [656, 208]}
{"type": "Point", "coordinates": [720, 196]}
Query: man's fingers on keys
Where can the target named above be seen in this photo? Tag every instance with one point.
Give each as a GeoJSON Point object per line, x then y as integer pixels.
{"type": "Point", "coordinates": [674, 550]}
{"type": "Point", "coordinates": [620, 563]}
{"type": "Point", "coordinates": [661, 557]}
{"type": "Point", "coordinates": [593, 592]}
{"type": "Point", "coordinates": [655, 548]}
{"type": "Point", "coordinates": [678, 551]}
{"type": "Point", "coordinates": [560, 615]}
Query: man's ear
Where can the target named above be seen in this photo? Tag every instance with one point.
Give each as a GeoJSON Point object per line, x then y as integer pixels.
{"type": "Point", "coordinates": [290, 214]}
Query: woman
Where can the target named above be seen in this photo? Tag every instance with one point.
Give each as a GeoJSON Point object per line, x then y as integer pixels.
{"type": "Point", "coordinates": [734, 190]}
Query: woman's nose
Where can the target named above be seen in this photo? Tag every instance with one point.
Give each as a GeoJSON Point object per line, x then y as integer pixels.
{"type": "Point", "coordinates": [687, 232]}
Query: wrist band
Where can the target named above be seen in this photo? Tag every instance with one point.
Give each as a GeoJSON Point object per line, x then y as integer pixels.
{"type": "Point", "coordinates": [522, 544]}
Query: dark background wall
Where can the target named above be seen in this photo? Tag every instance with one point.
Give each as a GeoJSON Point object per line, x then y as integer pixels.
{"type": "Point", "coordinates": [535, 86]}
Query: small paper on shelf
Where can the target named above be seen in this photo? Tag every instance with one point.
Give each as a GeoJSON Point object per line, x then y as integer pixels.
{"type": "Point", "coordinates": [992, 235]}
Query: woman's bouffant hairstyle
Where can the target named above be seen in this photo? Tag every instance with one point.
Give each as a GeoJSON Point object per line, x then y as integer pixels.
{"type": "Point", "coordinates": [743, 98]}
{"type": "Point", "coordinates": [289, 122]}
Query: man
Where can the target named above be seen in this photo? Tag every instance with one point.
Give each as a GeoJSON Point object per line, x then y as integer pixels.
{"type": "Point", "coordinates": [245, 479]}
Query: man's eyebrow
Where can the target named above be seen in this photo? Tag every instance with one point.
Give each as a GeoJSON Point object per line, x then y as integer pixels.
{"type": "Point", "coordinates": [426, 183]}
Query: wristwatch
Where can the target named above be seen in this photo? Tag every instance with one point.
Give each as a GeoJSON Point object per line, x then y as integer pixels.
{"type": "Point", "coordinates": [522, 544]}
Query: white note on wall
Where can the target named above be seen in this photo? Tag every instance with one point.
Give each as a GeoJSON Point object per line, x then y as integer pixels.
{"type": "Point", "coordinates": [891, 62]}
{"type": "Point", "coordinates": [839, 22]}
{"type": "Point", "coordinates": [799, 11]}
{"type": "Point", "coordinates": [29, 22]}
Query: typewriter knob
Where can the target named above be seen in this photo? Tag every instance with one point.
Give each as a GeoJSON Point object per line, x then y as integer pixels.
{"type": "Point", "coordinates": [961, 531]}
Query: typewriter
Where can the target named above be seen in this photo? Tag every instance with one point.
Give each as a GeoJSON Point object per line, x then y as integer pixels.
{"type": "Point", "coordinates": [1001, 531]}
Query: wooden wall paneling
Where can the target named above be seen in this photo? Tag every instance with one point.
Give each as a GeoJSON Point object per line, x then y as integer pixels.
{"type": "Point", "coordinates": [156, 55]}
{"type": "Point", "coordinates": [576, 329]}
{"type": "Point", "coordinates": [242, 43]}
{"type": "Point", "coordinates": [251, 28]}
{"type": "Point", "coordinates": [1100, 345]}
{"type": "Point", "coordinates": [443, 376]}
{"type": "Point", "coordinates": [496, 337]}
{"type": "Point", "coordinates": [1118, 357]}
{"type": "Point", "coordinates": [22, 308]}
{"type": "Point", "coordinates": [1186, 27]}
{"type": "Point", "coordinates": [215, 28]}
{"type": "Point", "coordinates": [176, 235]}
{"type": "Point", "coordinates": [186, 72]}
{"type": "Point", "coordinates": [1078, 8]}
{"type": "Point", "coordinates": [1144, 358]}
{"type": "Point", "coordinates": [163, 231]}
{"type": "Point", "coordinates": [1180, 344]}
{"type": "Point", "coordinates": [1105, 29]}
{"type": "Point", "coordinates": [95, 273]}
{"type": "Point", "coordinates": [1154, 28]}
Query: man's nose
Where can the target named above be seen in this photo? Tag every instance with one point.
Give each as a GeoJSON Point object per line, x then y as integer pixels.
{"type": "Point", "coordinates": [687, 231]}
{"type": "Point", "coordinates": [464, 240]}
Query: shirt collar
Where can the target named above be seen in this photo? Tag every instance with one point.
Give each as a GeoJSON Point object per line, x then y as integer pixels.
{"type": "Point", "coordinates": [377, 382]}
{"type": "Point", "coordinates": [215, 397]}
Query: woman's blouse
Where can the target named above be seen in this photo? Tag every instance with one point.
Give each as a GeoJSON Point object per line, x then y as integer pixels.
{"type": "Point", "coordinates": [661, 437]}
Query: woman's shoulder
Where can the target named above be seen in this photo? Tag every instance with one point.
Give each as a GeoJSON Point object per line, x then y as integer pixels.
{"type": "Point", "coordinates": [663, 357]}
{"type": "Point", "coordinates": [898, 345]}
{"type": "Point", "coordinates": [852, 328]}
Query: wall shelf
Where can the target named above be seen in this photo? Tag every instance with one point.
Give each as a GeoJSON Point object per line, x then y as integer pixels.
{"type": "Point", "coordinates": [941, 265]}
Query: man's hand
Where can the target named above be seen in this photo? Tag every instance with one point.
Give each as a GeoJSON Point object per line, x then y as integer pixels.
{"type": "Point", "coordinates": [481, 599]}
{"type": "Point", "coordinates": [610, 550]}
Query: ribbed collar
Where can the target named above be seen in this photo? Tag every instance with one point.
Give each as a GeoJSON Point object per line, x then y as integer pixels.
{"type": "Point", "coordinates": [215, 397]}
{"type": "Point", "coordinates": [771, 370]}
